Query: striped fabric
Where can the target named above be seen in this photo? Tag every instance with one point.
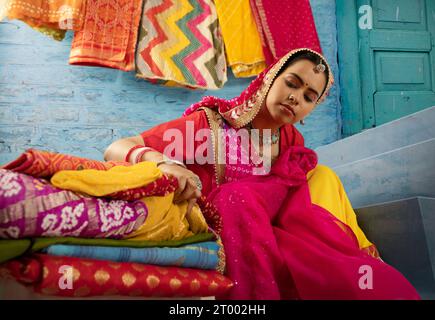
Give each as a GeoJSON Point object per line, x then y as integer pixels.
{"type": "Point", "coordinates": [203, 255]}
{"type": "Point", "coordinates": [180, 44]}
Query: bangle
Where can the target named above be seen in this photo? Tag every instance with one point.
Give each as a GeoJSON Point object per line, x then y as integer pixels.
{"type": "Point", "coordinates": [127, 157]}
{"type": "Point", "coordinates": [141, 153]}
{"type": "Point", "coordinates": [170, 161]}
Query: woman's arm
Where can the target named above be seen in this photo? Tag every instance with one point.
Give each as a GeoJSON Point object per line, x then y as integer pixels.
{"type": "Point", "coordinates": [118, 150]}
{"type": "Point", "coordinates": [187, 190]}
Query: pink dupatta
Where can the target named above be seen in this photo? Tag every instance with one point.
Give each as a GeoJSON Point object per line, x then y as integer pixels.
{"type": "Point", "coordinates": [281, 246]}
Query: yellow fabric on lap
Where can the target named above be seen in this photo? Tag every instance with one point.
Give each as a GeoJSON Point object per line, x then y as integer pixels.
{"type": "Point", "coordinates": [169, 221]}
{"type": "Point", "coordinates": [100, 183]}
{"type": "Point", "coordinates": [327, 191]}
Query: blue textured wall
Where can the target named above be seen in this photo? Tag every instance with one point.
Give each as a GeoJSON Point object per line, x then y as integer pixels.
{"type": "Point", "coordinates": [47, 104]}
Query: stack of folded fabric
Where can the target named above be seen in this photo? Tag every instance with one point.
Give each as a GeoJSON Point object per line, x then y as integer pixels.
{"type": "Point", "coordinates": [105, 229]}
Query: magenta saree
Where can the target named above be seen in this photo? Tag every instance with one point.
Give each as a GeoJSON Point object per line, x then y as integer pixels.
{"type": "Point", "coordinates": [297, 250]}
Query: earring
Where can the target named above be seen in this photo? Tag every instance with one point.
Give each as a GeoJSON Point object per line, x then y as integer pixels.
{"type": "Point", "coordinates": [302, 122]}
{"type": "Point", "coordinates": [320, 68]}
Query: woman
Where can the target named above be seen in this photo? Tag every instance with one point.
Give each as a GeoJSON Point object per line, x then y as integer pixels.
{"type": "Point", "coordinates": [284, 237]}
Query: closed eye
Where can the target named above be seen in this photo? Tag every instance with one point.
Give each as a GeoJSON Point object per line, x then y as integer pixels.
{"type": "Point", "coordinates": [294, 86]}
{"type": "Point", "coordinates": [291, 84]}
{"type": "Point", "coordinates": [308, 99]}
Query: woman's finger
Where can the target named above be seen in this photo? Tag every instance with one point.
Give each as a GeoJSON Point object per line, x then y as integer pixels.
{"type": "Point", "coordinates": [188, 192]}
{"type": "Point", "coordinates": [182, 183]}
{"type": "Point", "coordinates": [190, 205]}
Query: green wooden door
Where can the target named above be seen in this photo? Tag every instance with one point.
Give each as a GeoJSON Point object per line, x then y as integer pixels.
{"type": "Point", "coordinates": [394, 59]}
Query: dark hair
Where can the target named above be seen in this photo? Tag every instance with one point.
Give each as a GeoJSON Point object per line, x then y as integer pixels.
{"type": "Point", "coordinates": [306, 55]}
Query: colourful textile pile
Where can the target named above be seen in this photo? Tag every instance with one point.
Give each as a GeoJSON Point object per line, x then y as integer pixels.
{"type": "Point", "coordinates": [86, 213]}
{"type": "Point", "coordinates": [186, 43]}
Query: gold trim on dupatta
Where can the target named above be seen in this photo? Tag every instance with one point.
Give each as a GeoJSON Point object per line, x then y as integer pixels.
{"type": "Point", "coordinates": [215, 122]}
{"type": "Point", "coordinates": [242, 114]}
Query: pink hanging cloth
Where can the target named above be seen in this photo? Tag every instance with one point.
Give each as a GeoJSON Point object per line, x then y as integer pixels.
{"type": "Point", "coordinates": [284, 26]}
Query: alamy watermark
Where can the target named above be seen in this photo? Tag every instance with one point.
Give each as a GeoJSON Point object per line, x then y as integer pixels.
{"type": "Point", "coordinates": [366, 280]}
{"type": "Point", "coordinates": [67, 277]}
{"type": "Point", "coordinates": [182, 146]}
{"type": "Point", "coordinates": [365, 21]}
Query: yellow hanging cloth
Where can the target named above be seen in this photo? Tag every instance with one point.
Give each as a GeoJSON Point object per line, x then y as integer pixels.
{"type": "Point", "coordinates": [241, 38]}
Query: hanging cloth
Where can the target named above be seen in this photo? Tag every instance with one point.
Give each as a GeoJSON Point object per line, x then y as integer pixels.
{"type": "Point", "coordinates": [109, 34]}
{"type": "Point", "coordinates": [242, 41]}
{"type": "Point", "coordinates": [285, 26]}
{"type": "Point", "coordinates": [180, 45]}
{"type": "Point", "coordinates": [50, 17]}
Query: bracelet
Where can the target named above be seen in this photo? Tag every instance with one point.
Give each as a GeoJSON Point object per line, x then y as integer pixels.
{"type": "Point", "coordinates": [170, 161]}
{"type": "Point", "coordinates": [127, 157]}
{"type": "Point", "coordinates": [141, 153]}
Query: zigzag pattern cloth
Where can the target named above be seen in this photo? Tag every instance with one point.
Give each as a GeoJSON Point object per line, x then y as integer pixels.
{"type": "Point", "coordinates": [180, 44]}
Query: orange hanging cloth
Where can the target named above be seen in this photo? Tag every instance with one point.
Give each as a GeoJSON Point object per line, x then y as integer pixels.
{"type": "Point", "coordinates": [51, 17]}
{"type": "Point", "coordinates": [109, 34]}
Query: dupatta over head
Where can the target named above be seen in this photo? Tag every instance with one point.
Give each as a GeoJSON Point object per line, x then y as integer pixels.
{"type": "Point", "coordinates": [241, 110]}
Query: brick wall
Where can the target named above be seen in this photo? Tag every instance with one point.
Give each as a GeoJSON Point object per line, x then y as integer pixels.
{"type": "Point", "coordinates": [47, 104]}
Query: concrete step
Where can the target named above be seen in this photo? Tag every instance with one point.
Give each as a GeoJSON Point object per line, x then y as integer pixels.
{"type": "Point", "coordinates": [404, 233]}
{"type": "Point", "coordinates": [396, 134]}
{"type": "Point", "coordinates": [401, 173]}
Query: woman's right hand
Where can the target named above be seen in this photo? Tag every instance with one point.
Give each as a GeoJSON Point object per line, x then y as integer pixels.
{"type": "Point", "coordinates": [187, 188]}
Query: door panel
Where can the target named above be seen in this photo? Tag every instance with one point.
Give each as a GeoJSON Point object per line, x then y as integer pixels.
{"type": "Point", "coordinates": [397, 15]}
{"type": "Point", "coordinates": [398, 70]}
{"type": "Point", "coordinates": [397, 60]}
{"type": "Point", "coordinates": [399, 104]}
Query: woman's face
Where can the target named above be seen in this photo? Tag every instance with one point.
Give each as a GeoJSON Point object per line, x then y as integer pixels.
{"type": "Point", "coordinates": [301, 81]}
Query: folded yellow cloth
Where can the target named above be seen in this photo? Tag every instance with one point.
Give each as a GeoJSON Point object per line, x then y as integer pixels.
{"type": "Point", "coordinates": [169, 221]}
{"type": "Point", "coordinates": [241, 37]}
{"type": "Point", "coordinates": [165, 220]}
{"type": "Point", "coordinates": [100, 183]}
